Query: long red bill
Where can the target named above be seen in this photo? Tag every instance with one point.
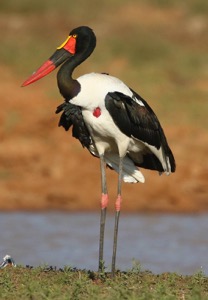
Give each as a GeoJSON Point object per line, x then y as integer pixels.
{"type": "Point", "coordinates": [63, 53]}
{"type": "Point", "coordinates": [45, 69]}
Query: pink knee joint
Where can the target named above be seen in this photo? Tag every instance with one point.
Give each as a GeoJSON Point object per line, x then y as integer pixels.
{"type": "Point", "coordinates": [118, 203]}
{"type": "Point", "coordinates": [104, 201]}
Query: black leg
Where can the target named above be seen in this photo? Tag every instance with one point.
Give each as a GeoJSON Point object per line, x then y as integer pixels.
{"type": "Point", "coordinates": [117, 215]}
{"type": "Point", "coordinates": [104, 203]}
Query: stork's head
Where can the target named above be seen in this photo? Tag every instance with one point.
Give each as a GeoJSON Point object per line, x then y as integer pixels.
{"type": "Point", "coordinates": [77, 47]}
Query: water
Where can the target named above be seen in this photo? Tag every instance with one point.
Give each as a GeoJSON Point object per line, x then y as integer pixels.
{"type": "Point", "coordinates": [161, 243]}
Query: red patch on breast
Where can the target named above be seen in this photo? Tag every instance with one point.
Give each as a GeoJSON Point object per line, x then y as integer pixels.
{"type": "Point", "coordinates": [97, 112]}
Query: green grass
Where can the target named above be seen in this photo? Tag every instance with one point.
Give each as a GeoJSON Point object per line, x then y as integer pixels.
{"type": "Point", "coordinates": [42, 283]}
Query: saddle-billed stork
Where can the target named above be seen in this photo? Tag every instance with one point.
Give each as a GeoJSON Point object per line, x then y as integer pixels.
{"type": "Point", "coordinates": [111, 120]}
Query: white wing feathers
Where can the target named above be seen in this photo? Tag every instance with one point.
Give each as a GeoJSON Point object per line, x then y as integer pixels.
{"type": "Point", "coordinates": [130, 173]}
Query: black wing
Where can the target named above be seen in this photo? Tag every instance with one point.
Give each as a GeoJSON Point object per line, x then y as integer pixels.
{"type": "Point", "coordinates": [72, 116]}
{"type": "Point", "coordinates": [135, 118]}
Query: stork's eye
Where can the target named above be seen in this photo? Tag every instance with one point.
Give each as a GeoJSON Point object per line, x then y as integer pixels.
{"type": "Point", "coordinates": [74, 36]}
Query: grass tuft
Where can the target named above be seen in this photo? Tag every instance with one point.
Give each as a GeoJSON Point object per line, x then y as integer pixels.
{"type": "Point", "coordinates": [51, 283]}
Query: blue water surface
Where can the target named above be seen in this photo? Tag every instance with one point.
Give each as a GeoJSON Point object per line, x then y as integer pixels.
{"type": "Point", "coordinates": [161, 243]}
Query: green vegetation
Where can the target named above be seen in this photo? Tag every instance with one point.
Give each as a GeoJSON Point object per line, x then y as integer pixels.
{"type": "Point", "coordinates": [45, 283]}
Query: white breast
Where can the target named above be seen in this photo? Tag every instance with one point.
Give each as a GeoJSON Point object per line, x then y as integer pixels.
{"type": "Point", "coordinates": [95, 87]}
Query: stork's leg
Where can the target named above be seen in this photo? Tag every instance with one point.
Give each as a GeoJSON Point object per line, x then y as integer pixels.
{"type": "Point", "coordinates": [104, 203]}
{"type": "Point", "coordinates": [117, 214]}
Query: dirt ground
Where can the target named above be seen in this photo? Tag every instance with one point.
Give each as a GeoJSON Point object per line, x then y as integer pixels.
{"type": "Point", "coordinates": [43, 168]}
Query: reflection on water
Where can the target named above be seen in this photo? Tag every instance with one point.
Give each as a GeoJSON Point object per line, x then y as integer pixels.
{"type": "Point", "coordinates": [162, 243]}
